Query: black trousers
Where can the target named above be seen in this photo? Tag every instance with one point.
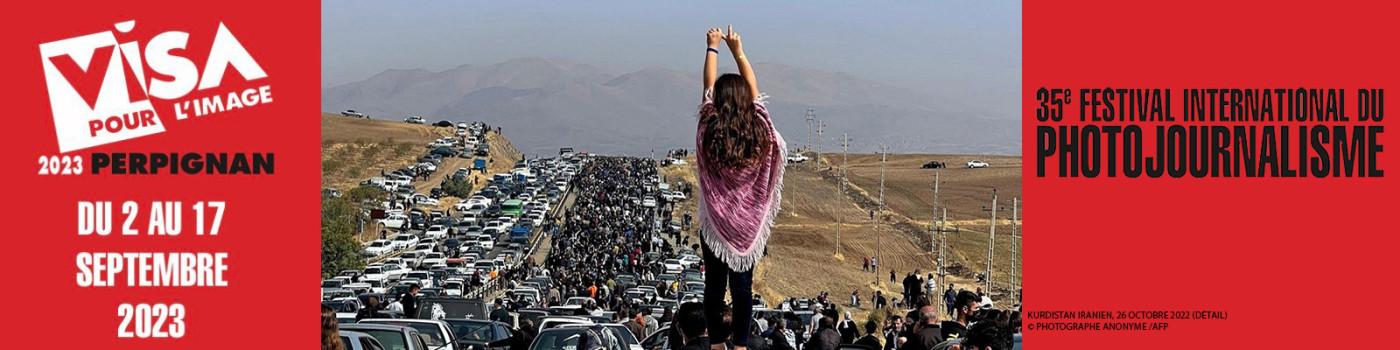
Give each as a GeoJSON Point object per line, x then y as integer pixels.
{"type": "Point", "coordinates": [740, 284]}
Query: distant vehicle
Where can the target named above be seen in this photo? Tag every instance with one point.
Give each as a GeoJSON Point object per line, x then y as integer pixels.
{"type": "Point", "coordinates": [520, 234]}
{"type": "Point", "coordinates": [512, 207]}
{"type": "Point", "coordinates": [797, 158]}
{"type": "Point", "coordinates": [394, 220]}
{"type": "Point", "coordinates": [443, 124]}
{"type": "Point", "coordinates": [649, 202]}
{"type": "Point", "coordinates": [933, 164]}
{"type": "Point", "coordinates": [672, 265]}
{"type": "Point", "coordinates": [436, 231]}
{"type": "Point", "coordinates": [378, 247]}
{"type": "Point", "coordinates": [404, 241]}
{"type": "Point", "coordinates": [977, 164]}
{"type": "Point", "coordinates": [415, 120]}
{"type": "Point", "coordinates": [354, 114]}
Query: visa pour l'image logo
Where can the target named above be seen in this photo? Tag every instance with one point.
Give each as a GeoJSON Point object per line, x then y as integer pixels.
{"type": "Point", "coordinates": [99, 91]}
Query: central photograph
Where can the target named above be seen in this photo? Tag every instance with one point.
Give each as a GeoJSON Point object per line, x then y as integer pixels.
{"type": "Point", "coordinates": [663, 176]}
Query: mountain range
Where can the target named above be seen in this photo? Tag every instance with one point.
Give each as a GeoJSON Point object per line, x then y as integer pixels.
{"type": "Point", "coordinates": [544, 104]}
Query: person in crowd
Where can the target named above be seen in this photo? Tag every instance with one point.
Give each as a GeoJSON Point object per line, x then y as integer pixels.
{"type": "Point", "coordinates": [756, 339]}
{"type": "Point", "coordinates": [985, 335]}
{"type": "Point", "coordinates": [330, 330]}
{"type": "Point", "coordinates": [690, 320]}
{"type": "Point", "coordinates": [650, 323]}
{"type": "Point", "coordinates": [740, 160]}
{"type": "Point", "coordinates": [409, 301]}
{"type": "Point", "coordinates": [871, 339]}
{"type": "Point", "coordinates": [894, 333]}
{"type": "Point", "coordinates": [965, 307]}
{"type": "Point", "coordinates": [372, 309]}
{"type": "Point", "coordinates": [855, 298]}
{"type": "Point", "coordinates": [948, 299]}
{"type": "Point", "coordinates": [926, 333]}
{"type": "Point", "coordinates": [782, 338]}
{"type": "Point", "coordinates": [636, 323]}
{"type": "Point", "coordinates": [847, 328]}
{"type": "Point", "coordinates": [500, 314]}
{"type": "Point", "coordinates": [824, 338]}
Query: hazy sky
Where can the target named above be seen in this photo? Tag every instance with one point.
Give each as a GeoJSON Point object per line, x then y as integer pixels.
{"type": "Point", "coordinates": [963, 49]}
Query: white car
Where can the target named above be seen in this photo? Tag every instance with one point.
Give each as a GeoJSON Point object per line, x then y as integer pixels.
{"type": "Point", "coordinates": [977, 164]}
{"type": "Point", "coordinates": [354, 114]}
{"type": "Point", "coordinates": [486, 241]}
{"type": "Point", "coordinates": [434, 259]}
{"type": "Point", "coordinates": [415, 120]}
{"type": "Point", "coordinates": [379, 247]}
{"type": "Point", "coordinates": [394, 221]}
{"type": "Point", "coordinates": [649, 202]}
{"type": "Point", "coordinates": [454, 287]}
{"type": "Point", "coordinates": [403, 241]}
{"type": "Point", "coordinates": [420, 199]}
{"type": "Point", "coordinates": [797, 158]}
{"type": "Point", "coordinates": [393, 271]}
{"type": "Point", "coordinates": [373, 273]}
{"type": "Point", "coordinates": [673, 265]}
{"type": "Point", "coordinates": [689, 260]}
{"type": "Point", "coordinates": [436, 231]}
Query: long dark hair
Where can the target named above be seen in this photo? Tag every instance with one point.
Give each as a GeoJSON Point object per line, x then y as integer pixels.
{"type": "Point", "coordinates": [735, 137]}
{"type": "Point", "coordinates": [330, 330]}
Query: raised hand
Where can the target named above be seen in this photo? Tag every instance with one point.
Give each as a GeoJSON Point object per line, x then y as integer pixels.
{"type": "Point", "coordinates": [732, 38]}
{"type": "Point", "coordinates": [713, 37]}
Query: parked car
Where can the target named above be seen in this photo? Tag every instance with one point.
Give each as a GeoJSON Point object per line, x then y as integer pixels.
{"type": "Point", "coordinates": [378, 247]}
{"type": "Point", "coordinates": [354, 114]}
{"type": "Point", "coordinates": [568, 339]}
{"type": "Point", "coordinates": [439, 333]}
{"type": "Point", "coordinates": [359, 341]}
{"type": "Point", "coordinates": [436, 231]}
{"type": "Point", "coordinates": [977, 164]}
{"type": "Point", "coordinates": [415, 120]}
{"type": "Point", "coordinates": [394, 221]}
{"type": "Point", "coordinates": [476, 334]}
{"type": "Point", "coordinates": [392, 337]}
{"type": "Point", "coordinates": [933, 164]}
{"type": "Point", "coordinates": [403, 241]}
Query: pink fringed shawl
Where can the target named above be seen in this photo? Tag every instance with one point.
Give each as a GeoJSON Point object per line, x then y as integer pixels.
{"type": "Point", "coordinates": [738, 206]}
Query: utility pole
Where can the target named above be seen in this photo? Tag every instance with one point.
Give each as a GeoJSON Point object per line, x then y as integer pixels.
{"type": "Point", "coordinates": [1015, 277]}
{"type": "Point", "coordinates": [880, 209]}
{"type": "Point", "coordinates": [943, 242]}
{"type": "Point", "coordinates": [841, 188]}
{"type": "Point", "coordinates": [821, 128]}
{"type": "Point", "coordinates": [991, 242]}
{"type": "Point", "coordinates": [811, 117]}
{"type": "Point", "coordinates": [936, 223]}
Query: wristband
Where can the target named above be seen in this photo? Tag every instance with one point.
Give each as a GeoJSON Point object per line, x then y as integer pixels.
{"type": "Point", "coordinates": [711, 49]}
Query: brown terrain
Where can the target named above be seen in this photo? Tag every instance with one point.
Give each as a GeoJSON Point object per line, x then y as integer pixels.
{"type": "Point", "coordinates": [354, 150]}
{"type": "Point", "coordinates": [803, 257]}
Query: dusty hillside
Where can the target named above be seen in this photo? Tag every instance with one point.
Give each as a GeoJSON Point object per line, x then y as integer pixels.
{"type": "Point", "coordinates": [353, 150]}
{"type": "Point", "coordinates": [803, 256]}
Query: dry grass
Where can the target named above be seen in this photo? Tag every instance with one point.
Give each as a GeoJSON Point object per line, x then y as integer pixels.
{"type": "Point", "coordinates": [353, 150]}
{"type": "Point", "coordinates": [803, 256]}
